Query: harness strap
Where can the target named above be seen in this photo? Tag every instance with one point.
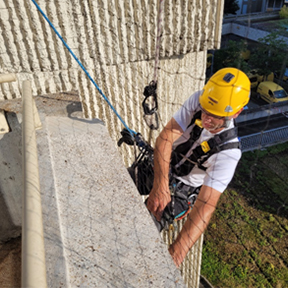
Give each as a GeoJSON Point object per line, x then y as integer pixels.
{"type": "Point", "coordinates": [226, 146]}
{"type": "Point", "coordinates": [183, 148]}
{"type": "Point", "coordinates": [182, 166]}
{"type": "Point", "coordinates": [224, 136]}
{"type": "Point", "coordinates": [197, 115]}
{"type": "Point", "coordinates": [213, 145]}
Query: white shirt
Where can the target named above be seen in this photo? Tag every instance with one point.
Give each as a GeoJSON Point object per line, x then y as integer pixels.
{"type": "Point", "coordinates": [220, 166]}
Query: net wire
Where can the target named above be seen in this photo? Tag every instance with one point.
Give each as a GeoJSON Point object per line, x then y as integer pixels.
{"type": "Point", "coordinates": [251, 216]}
{"type": "Point", "coordinates": [243, 199]}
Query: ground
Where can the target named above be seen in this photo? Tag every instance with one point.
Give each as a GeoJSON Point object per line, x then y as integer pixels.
{"type": "Point", "coordinates": [246, 243]}
{"type": "Point", "coordinates": [10, 263]}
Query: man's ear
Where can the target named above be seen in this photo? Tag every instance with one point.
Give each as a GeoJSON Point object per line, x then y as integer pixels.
{"type": "Point", "coordinates": [237, 114]}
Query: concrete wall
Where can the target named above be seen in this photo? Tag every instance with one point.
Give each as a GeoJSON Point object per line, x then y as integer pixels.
{"type": "Point", "coordinates": [115, 41]}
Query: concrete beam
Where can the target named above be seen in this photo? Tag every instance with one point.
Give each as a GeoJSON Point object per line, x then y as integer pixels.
{"type": "Point", "coordinates": [247, 32]}
{"type": "Point", "coordinates": [262, 112]}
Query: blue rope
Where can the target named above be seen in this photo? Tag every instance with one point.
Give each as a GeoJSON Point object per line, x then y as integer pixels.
{"type": "Point", "coordinates": [80, 64]}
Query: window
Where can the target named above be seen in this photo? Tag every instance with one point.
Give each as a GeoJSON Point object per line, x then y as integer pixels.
{"type": "Point", "coordinates": [274, 4]}
{"type": "Point", "coordinates": [270, 93]}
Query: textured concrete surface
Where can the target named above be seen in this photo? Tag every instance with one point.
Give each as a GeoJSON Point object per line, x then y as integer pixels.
{"type": "Point", "coordinates": [11, 157]}
{"type": "Point", "coordinates": [101, 34]}
{"type": "Point", "coordinates": [107, 235]}
{"type": "Point", "coordinates": [98, 232]}
{"type": "Point", "coordinates": [115, 41]}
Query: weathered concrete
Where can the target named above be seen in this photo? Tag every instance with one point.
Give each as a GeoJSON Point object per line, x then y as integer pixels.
{"type": "Point", "coordinates": [115, 41]}
{"type": "Point", "coordinates": [97, 230]}
{"type": "Point", "coordinates": [100, 34]}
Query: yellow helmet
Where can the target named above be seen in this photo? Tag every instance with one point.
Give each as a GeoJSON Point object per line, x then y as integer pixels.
{"type": "Point", "coordinates": [226, 92]}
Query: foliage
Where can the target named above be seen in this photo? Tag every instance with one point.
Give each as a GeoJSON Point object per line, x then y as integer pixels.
{"type": "Point", "coordinates": [283, 12]}
{"type": "Point", "coordinates": [278, 148]}
{"type": "Point", "coordinates": [230, 7]}
{"type": "Point", "coordinates": [269, 54]}
{"type": "Point", "coordinates": [231, 56]}
{"type": "Point", "coordinates": [243, 245]}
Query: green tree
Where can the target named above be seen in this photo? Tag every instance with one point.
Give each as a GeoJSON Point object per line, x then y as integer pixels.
{"type": "Point", "coordinates": [231, 56]}
{"type": "Point", "coordinates": [231, 7]}
{"type": "Point", "coordinates": [283, 12]}
{"type": "Point", "coordinates": [270, 55]}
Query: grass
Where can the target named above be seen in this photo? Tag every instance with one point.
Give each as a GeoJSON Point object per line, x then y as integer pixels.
{"type": "Point", "coordinates": [246, 243]}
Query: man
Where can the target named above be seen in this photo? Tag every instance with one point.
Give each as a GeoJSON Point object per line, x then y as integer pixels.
{"type": "Point", "coordinates": [221, 101]}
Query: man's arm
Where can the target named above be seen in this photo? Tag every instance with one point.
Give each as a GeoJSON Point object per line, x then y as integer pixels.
{"type": "Point", "coordinates": [159, 196]}
{"type": "Point", "coordinates": [196, 223]}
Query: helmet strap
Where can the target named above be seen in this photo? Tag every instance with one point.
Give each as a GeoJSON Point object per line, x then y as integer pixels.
{"type": "Point", "coordinates": [227, 122]}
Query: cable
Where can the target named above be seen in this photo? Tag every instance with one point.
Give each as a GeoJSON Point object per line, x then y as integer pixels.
{"type": "Point", "coordinates": [83, 68]}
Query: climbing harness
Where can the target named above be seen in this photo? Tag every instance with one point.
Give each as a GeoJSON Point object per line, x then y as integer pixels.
{"type": "Point", "coordinates": [182, 165]}
{"type": "Point", "coordinates": [183, 196]}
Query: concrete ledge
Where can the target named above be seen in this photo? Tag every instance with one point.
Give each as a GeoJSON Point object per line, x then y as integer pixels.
{"type": "Point", "coordinates": [97, 230]}
{"type": "Point", "coordinates": [262, 111]}
{"type": "Point", "coordinates": [107, 235]}
{"type": "Point", "coordinates": [246, 32]}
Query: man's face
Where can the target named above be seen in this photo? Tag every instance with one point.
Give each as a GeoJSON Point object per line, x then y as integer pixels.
{"type": "Point", "coordinates": [211, 122]}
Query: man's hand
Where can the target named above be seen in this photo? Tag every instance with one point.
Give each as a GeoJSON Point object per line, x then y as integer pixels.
{"type": "Point", "coordinates": [159, 196]}
{"type": "Point", "coordinates": [157, 201]}
{"type": "Point", "coordinates": [177, 255]}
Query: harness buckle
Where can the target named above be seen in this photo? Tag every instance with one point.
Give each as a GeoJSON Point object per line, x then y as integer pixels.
{"type": "Point", "coordinates": [198, 122]}
{"type": "Point", "coordinates": [205, 146]}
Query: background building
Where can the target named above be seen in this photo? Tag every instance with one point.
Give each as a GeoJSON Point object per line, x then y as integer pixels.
{"type": "Point", "coordinates": [258, 6]}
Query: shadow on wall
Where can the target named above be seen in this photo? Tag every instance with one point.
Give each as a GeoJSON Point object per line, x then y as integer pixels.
{"type": "Point", "coordinates": [74, 111]}
{"type": "Point", "coordinates": [11, 180]}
